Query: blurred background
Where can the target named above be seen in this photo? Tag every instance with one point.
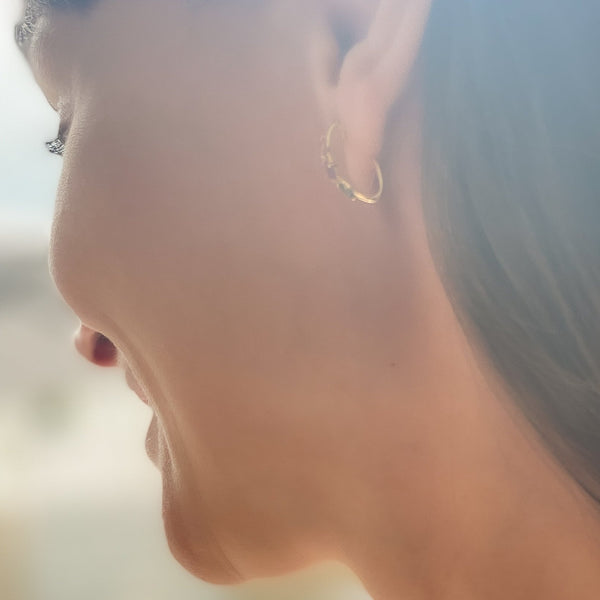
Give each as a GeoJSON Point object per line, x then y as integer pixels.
{"type": "Point", "coordinates": [79, 500]}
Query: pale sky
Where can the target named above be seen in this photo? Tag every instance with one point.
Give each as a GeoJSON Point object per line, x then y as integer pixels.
{"type": "Point", "coordinates": [28, 173]}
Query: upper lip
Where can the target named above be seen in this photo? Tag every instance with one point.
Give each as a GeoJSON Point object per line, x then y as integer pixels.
{"type": "Point", "coordinates": [134, 385]}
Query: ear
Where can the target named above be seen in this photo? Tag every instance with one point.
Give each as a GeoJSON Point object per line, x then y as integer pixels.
{"type": "Point", "coordinates": [362, 64]}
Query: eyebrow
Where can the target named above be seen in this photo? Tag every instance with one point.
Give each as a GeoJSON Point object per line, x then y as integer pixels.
{"type": "Point", "coordinates": [24, 32]}
{"type": "Point", "coordinates": [25, 29]}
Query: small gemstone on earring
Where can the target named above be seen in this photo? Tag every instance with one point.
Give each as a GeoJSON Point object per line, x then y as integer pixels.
{"type": "Point", "coordinates": [346, 189]}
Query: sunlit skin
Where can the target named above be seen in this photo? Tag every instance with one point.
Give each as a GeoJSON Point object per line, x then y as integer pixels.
{"type": "Point", "coordinates": [314, 395]}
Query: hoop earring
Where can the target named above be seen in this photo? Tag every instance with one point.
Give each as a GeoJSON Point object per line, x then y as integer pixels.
{"type": "Point", "coordinates": [342, 184]}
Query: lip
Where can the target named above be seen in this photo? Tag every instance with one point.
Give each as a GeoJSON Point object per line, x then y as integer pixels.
{"type": "Point", "coordinates": [152, 441]}
{"type": "Point", "coordinates": [134, 386]}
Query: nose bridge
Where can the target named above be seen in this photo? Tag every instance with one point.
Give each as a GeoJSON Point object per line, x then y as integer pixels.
{"type": "Point", "coordinates": [95, 347]}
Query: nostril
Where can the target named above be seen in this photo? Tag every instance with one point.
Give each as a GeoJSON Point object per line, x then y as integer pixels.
{"type": "Point", "coordinates": [104, 350]}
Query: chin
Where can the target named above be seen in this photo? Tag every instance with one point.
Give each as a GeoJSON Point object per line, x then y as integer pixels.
{"type": "Point", "coordinates": [205, 565]}
{"type": "Point", "coordinates": [194, 546]}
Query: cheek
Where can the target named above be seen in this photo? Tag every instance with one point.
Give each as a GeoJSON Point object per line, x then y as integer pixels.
{"type": "Point", "coordinates": [198, 189]}
{"type": "Point", "coordinates": [198, 207]}
{"type": "Point", "coordinates": [201, 262]}
{"type": "Point", "coordinates": [160, 220]}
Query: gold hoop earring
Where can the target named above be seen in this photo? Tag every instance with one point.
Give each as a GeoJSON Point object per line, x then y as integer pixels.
{"type": "Point", "coordinates": [342, 184]}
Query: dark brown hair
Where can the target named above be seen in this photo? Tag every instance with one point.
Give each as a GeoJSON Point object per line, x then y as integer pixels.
{"type": "Point", "coordinates": [512, 202]}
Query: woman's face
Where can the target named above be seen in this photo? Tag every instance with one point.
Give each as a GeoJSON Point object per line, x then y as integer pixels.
{"type": "Point", "coordinates": [251, 302]}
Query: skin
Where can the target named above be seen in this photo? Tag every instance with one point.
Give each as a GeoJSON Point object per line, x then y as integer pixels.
{"type": "Point", "coordinates": [314, 395]}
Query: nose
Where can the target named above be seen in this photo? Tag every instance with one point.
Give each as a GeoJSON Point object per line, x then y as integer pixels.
{"type": "Point", "coordinates": [94, 346]}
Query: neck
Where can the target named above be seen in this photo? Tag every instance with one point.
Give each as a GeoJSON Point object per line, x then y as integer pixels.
{"type": "Point", "coordinates": [491, 518]}
{"type": "Point", "coordinates": [461, 499]}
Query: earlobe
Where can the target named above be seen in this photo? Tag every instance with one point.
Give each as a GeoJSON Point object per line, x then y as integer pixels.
{"type": "Point", "coordinates": [373, 45]}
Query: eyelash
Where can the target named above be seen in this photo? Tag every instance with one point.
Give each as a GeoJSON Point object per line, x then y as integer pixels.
{"type": "Point", "coordinates": [56, 146]}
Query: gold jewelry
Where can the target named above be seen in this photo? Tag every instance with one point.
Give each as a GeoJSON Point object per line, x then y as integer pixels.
{"type": "Point", "coordinates": [342, 184]}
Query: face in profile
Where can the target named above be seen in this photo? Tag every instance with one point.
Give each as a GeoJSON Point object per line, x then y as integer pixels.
{"type": "Point", "coordinates": [248, 301]}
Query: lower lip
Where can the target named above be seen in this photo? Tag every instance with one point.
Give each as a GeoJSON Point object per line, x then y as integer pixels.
{"type": "Point", "coordinates": [133, 385]}
{"type": "Point", "coordinates": [152, 441]}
